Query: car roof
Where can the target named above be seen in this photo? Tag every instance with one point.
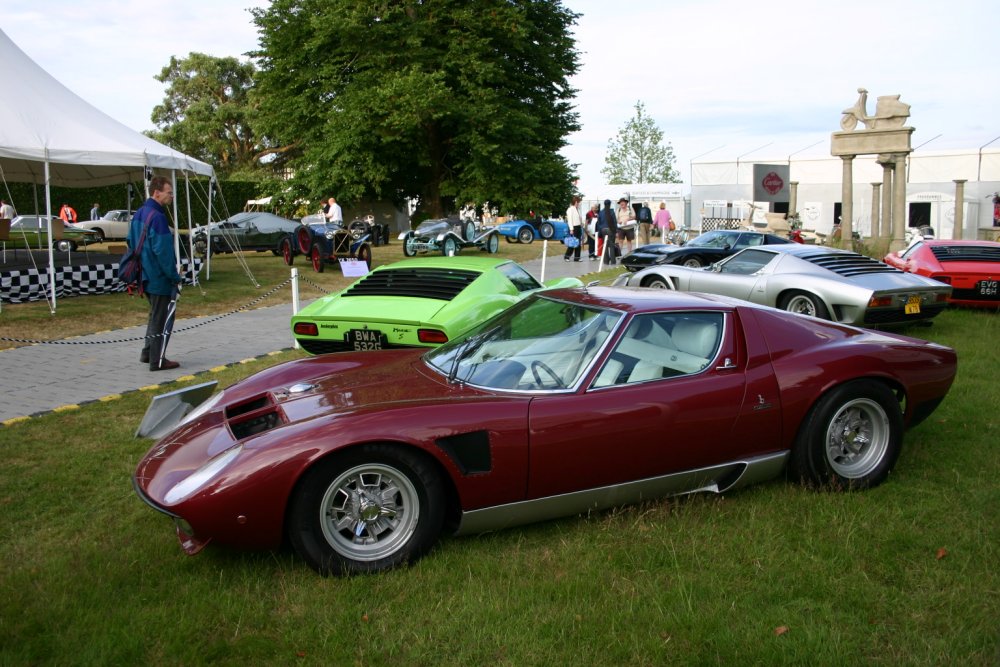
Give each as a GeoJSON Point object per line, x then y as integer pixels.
{"type": "Point", "coordinates": [468, 263]}
{"type": "Point", "coordinates": [638, 300]}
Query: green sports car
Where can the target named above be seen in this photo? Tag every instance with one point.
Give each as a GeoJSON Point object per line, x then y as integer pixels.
{"type": "Point", "coordinates": [420, 302]}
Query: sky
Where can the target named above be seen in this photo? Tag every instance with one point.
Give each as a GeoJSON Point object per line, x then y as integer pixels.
{"type": "Point", "coordinates": [723, 79]}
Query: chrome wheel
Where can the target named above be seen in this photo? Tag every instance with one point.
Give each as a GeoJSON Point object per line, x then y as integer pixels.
{"type": "Point", "coordinates": [369, 512]}
{"type": "Point", "coordinates": [692, 263]}
{"type": "Point", "coordinates": [857, 438]}
{"type": "Point", "coordinates": [658, 283]}
{"type": "Point", "coordinates": [802, 304]}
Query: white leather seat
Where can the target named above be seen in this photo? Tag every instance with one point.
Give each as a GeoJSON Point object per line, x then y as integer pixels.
{"type": "Point", "coordinates": [696, 337]}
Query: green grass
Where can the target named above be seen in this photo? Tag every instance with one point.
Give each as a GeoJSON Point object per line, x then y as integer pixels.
{"type": "Point", "coordinates": [90, 575]}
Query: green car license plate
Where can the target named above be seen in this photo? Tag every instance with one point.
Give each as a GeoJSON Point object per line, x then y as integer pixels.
{"type": "Point", "coordinates": [989, 287]}
{"type": "Point", "coordinates": [363, 340]}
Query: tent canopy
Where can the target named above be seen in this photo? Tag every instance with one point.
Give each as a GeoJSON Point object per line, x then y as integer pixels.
{"type": "Point", "coordinates": [42, 120]}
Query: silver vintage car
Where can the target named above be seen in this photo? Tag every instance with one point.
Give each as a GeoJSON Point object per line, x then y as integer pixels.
{"type": "Point", "coordinates": [829, 283]}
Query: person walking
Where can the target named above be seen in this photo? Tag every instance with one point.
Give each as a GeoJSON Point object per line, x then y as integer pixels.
{"type": "Point", "coordinates": [160, 279]}
{"type": "Point", "coordinates": [645, 219]}
{"type": "Point", "coordinates": [663, 221]}
{"type": "Point", "coordinates": [609, 223]}
{"type": "Point", "coordinates": [575, 229]}
{"type": "Point", "coordinates": [67, 213]}
{"type": "Point", "coordinates": [626, 225]}
{"type": "Point", "coordinates": [592, 216]}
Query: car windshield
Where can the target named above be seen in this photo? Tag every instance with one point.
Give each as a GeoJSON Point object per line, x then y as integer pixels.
{"type": "Point", "coordinates": [716, 239]}
{"type": "Point", "coordinates": [541, 344]}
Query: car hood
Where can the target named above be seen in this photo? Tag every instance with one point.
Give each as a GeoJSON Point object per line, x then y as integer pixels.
{"type": "Point", "coordinates": [389, 309]}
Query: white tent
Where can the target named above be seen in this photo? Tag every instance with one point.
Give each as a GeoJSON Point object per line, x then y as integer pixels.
{"type": "Point", "coordinates": [50, 135]}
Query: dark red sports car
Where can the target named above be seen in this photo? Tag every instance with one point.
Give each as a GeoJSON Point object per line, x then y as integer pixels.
{"type": "Point", "coordinates": [972, 268]}
{"type": "Point", "coordinates": [571, 400]}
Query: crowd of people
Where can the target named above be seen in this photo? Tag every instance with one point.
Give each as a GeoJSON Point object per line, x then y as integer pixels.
{"type": "Point", "coordinates": [611, 231]}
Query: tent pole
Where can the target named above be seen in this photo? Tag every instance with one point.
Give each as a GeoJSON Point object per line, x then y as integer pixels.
{"type": "Point", "coordinates": [208, 232]}
{"type": "Point", "coordinates": [187, 193]}
{"type": "Point", "coordinates": [177, 225]}
{"type": "Point", "coordinates": [48, 217]}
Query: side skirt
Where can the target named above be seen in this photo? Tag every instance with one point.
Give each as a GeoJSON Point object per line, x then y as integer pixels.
{"type": "Point", "coordinates": [715, 479]}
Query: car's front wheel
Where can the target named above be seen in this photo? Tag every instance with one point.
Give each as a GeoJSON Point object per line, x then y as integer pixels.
{"type": "Point", "coordinates": [524, 235]}
{"type": "Point", "coordinates": [850, 439]}
{"type": "Point", "coordinates": [658, 282]}
{"type": "Point", "coordinates": [410, 245]}
{"type": "Point", "coordinates": [546, 230]}
{"type": "Point", "coordinates": [365, 254]}
{"type": "Point", "coordinates": [316, 256]}
{"type": "Point", "coordinates": [692, 263]}
{"type": "Point", "coordinates": [285, 249]}
{"type": "Point", "coordinates": [493, 244]}
{"type": "Point", "coordinates": [100, 235]}
{"type": "Point", "coordinates": [370, 509]}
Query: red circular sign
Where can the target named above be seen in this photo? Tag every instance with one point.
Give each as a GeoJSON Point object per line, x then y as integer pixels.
{"type": "Point", "coordinates": [773, 183]}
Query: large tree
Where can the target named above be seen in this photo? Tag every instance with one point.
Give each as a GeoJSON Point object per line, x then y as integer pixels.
{"type": "Point", "coordinates": [207, 112]}
{"type": "Point", "coordinates": [638, 155]}
{"type": "Point", "coordinates": [437, 99]}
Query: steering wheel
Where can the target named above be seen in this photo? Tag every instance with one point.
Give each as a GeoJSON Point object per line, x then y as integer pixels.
{"type": "Point", "coordinates": [535, 365]}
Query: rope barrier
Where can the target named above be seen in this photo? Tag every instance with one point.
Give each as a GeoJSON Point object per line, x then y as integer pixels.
{"type": "Point", "coordinates": [138, 338]}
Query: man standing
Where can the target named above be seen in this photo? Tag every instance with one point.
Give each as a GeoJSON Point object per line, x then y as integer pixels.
{"type": "Point", "coordinates": [609, 226]}
{"type": "Point", "coordinates": [67, 213]}
{"type": "Point", "coordinates": [335, 216]}
{"type": "Point", "coordinates": [95, 212]}
{"type": "Point", "coordinates": [575, 229]}
{"type": "Point", "coordinates": [645, 219]}
{"type": "Point", "coordinates": [160, 279]}
{"type": "Point", "coordinates": [6, 211]}
{"type": "Point", "coordinates": [626, 225]}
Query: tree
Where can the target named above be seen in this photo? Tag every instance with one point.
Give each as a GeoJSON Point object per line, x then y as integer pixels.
{"type": "Point", "coordinates": [207, 112]}
{"type": "Point", "coordinates": [436, 99]}
{"type": "Point", "coordinates": [637, 154]}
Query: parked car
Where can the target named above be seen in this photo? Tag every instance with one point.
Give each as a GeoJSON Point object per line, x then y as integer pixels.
{"type": "Point", "coordinates": [32, 232]}
{"type": "Point", "coordinates": [326, 242]}
{"type": "Point", "coordinates": [419, 302]}
{"type": "Point", "coordinates": [700, 251]}
{"type": "Point", "coordinates": [526, 231]}
{"type": "Point", "coordinates": [823, 282]}
{"type": "Point", "coordinates": [972, 268]}
{"type": "Point", "coordinates": [570, 401]}
{"type": "Point", "coordinates": [112, 226]}
{"type": "Point", "coordinates": [258, 231]}
{"type": "Point", "coordinates": [448, 236]}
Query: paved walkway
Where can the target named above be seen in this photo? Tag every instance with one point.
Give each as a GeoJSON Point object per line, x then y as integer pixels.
{"type": "Point", "coordinates": [41, 378]}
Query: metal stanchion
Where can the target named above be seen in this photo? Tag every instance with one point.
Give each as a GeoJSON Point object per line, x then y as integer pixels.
{"type": "Point", "coordinates": [545, 252]}
{"type": "Point", "coordinates": [295, 301]}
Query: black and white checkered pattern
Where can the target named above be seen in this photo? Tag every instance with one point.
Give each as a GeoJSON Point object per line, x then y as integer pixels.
{"type": "Point", "coordinates": [23, 285]}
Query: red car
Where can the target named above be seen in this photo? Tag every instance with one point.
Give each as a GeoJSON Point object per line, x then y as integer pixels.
{"type": "Point", "coordinates": [569, 401]}
{"type": "Point", "coordinates": [972, 268]}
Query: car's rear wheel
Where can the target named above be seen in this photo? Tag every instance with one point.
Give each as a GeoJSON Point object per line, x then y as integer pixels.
{"type": "Point", "coordinates": [370, 509]}
{"type": "Point", "coordinates": [316, 256]}
{"type": "Point", "coordinates": [546, 230]}
{"type": "Point", "coordinates": [410, 245]}
{"type": "Point", "coordinates": [449, 247]}
{"type": "Point", "coordinates": [285, 248]}
{"type": "Point", "coordinates": [493, 244]}
{"type": "Point", "coordinates": [100, 235]}
{"type": "Point", "coordinates": [525, 235]}
{"type": "Point", "coordinates": [658, 282]}
{"type": "Point", "coordinates": [692, 263]}
{"type": "Point", "coordinates": [850, 439]}
{"type": "Point", "coordinates": [305, 239]}
{"type": "Point", "coordinates": [803, 303]}
{"type": "Point", "coordinates": [365, 254]}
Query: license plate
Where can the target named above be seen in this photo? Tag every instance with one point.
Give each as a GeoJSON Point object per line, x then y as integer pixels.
{"type": "Point", "coordinates": [365, 339]}
{"type": "Point", "coordinates": [988, 287]}
{"type": "Point", "coordinates": [913, 305]}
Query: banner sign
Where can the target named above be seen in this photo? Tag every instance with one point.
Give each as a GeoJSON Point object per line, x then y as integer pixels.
{"type": "Point", "coordinates": [770, 182]}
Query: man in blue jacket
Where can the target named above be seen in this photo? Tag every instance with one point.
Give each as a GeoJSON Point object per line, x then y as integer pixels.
{"type": "Point", "coordinates": [160, 279]}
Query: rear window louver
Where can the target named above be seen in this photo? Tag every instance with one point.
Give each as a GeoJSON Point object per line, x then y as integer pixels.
{"type": "Point", "coordinates": [848, 264]}
{"type": "Point", "coordinates": [425, 283]}
{"type": "Point", "coordinates": [966, 253]}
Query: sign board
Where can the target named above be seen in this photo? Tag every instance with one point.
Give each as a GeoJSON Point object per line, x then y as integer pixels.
{"type": "Point", "coordinates": [770, 182]}
{"type": "Point", "coordinates": [353, 268]}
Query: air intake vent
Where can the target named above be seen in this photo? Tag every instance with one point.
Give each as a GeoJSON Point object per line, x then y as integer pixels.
{"type": "Point", "coordinates": [253, 416]}
{"type": "Point", "coordinates": [848, 264]}
{"type": "Point", "coordinates": [966, 253]}
{"type": "Point", "coordinates": [425, 283]}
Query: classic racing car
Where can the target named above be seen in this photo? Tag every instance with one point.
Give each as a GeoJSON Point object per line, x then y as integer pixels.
{"type": "Point", "coordinates": [423, 302]}
{"type": "Point", "coordinates": [449, 236]}
{"type": "Point", "coordinates": [570, 401]}
{"type": "Point", "coordinates": [823, 282]}
{"type": "Point", "coordinates": [326, 242]}
{"type": "Point", "coordinates": [526, 231]}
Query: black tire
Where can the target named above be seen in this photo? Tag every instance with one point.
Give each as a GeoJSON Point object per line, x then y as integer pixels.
{"type": "Point", "coordinates": [365, 254]}
{"type": "Point", "coordinates": [358, 228]}
{"type": "Point", "coordinates": [658, 282]}
{"type": "Point", "coordinates": [692, 263]}
{"type": "Point", "coordinates": [304, 238]}
{"type": "Point", "coordinates": [546, 230]}
{"type": "Point", "coordinates": [399, 529]}
{"type": "Point", "coordinates": [493, 244]}
{"type": "Point", "coordinates": [850, 439]}
{"type": "Point", "coordinates": [508, 239]}
{"type": "Point", "coordinates": [525, 235]}
{"type": "Point", "coordinates": [449, 247]}
{"type": "Point", "coordinates": [409, 245]}
{"type": "Point", "coordinates": [100, 238]}
{"type": "Point", "coordinates": [468, 230]}
{"type": "Point", "coordinates": [803, 303]}
{"type": "Point", "coordinates": [316, 257]}
{"type": "Point", "coordinates": [286, 252]}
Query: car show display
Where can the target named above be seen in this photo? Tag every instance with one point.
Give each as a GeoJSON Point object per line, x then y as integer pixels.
{"type": "Point", "coordinates": [526, 231]}
{"type": "Point", "coordinates": [326, 242]}
{"type": "Point", "coordinates": [700, 251]}
{"type": "Point", "coordinates": [419, 302]}
{"type": "Point", "coordinates": [256, 231]}
{"type": "Point", "coordinates": [448, 236]}
{"type": "Point", "coordinates": [32, 232]}
{"type": "Point", "coordinates": [112, 226]}
{"type": "Point", "coordinates": [823, 282]}
{"type": "Point", "coordinates": [972, 268]}
{"type": "Point", "coordinates": [570, 401]}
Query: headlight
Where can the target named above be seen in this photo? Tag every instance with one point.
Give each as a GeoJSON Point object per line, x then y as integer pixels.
{"type": "Point", "coordinates": [329, 235]}
{"type": "Point", "coordinates": [201, 476]}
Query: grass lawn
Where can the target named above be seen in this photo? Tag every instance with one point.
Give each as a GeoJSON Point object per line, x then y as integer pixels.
{"type": "Point", "coordinates": [904, 574]}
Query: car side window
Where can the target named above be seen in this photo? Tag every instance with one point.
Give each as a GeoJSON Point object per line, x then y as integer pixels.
{"type": "Point", "coordinates": [912, 249]}
{"type": "Point", "coordinates": [747, 262]}
{"type": "Point", "coordinates": [521, 279]}
{"type": "Point", "coordinates": [663, 345]}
